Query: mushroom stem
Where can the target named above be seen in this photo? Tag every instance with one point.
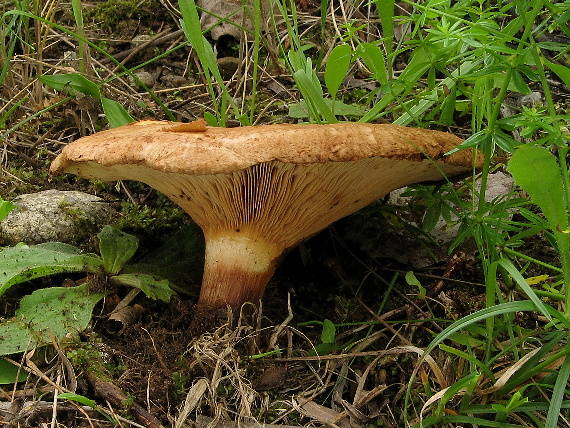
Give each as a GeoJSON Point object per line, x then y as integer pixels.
{"type": "Point", "coordinates": [237, 268]}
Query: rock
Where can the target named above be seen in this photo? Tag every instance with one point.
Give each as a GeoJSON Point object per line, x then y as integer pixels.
{"type": "Point", "coordinates": [140, 39]}
{"type": "Point", "coordinates": [498, 184]}
{"type": "Point", "coordinates": [54, 215]}
{"type": "Point", "coordinates": [145, 78]}
{"type": "Point", "coordinates": [228, 65]}
{"type": "Point", "coordinates": [233, 12]}
{"type": "Point", "coordinates": [230, 9]}
{"type": "Point", "coordinates": [534, 99]}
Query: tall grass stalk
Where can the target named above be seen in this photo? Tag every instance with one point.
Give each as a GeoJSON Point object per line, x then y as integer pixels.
{"type": "Point", "coordinates": [10, 34]}
{"type": "Point", "coordinates": [80, 29]}
{"type": "Point", "coordinates": [205, 53]}
{"type": "Point", "coordinates": [257, 16]}
{"type": "Point", "coordinates": [385, 9]}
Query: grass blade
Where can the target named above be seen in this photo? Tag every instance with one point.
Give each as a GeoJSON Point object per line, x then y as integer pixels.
{"type": "Point", "coordinates": [386, 14]}
{"type": "Point", "coordinates": [516, 275]}
{"type": "Point", "coordinates": [83, 47]}
{"type": "Point", "coordinates": [558, 394]}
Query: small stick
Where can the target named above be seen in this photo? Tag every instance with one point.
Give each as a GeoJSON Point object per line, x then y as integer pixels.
{"type": "Point", "coordinates": [111, 393]}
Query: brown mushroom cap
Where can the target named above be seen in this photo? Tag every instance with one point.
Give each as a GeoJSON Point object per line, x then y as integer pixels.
{"type": "Point", "coordinates": [257, 191]}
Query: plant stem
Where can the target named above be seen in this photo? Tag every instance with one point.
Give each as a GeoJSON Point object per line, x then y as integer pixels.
{"type": "Point", "coordinates": [256, 41]}
{"type": "Point", "coordinates": [531, 259]}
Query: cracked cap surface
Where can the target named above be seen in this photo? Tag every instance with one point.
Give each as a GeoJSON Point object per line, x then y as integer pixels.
{"type": "Point", "coordinates": [197, 149]}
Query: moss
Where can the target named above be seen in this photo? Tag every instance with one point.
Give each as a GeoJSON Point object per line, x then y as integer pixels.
{"type": "Point", "coordinates": [75, 213]}
{"type": "Point", "coordinates": [110, 13]}
{"type": "Point", "coordinates": [179, 382]}
{"type": "Point", "coordinates": [149, 220]}
{"type": "Point", "coordinates": [94, 361]}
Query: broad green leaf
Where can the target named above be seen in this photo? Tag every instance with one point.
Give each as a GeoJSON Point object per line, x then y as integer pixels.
{"type": "Point", "coordinates": [46, 314]}
{"type": "Point", "coordinates": [411, 279]}
{"type": "Point", "coordinates": [71, 84]}
{"type": "Point", "coordinates": [5, 208]}
{"type": "Point", "coordinates": [179, 259]}
{"type": "Point", "coordinates": [9, 373]}
{"type": "Point", "coordinates": [536, 170]}
{"type": "Point", "coordinates": [210, 119]}
{"type": "Point", "coordinates": [337, 67]}
{"type": "Point", "coordinates": [296, 59]}
{"type": "Point", "coordinates": [23, 263]}
{"type": "Point", "coordinates": [419, 63]}
{"type": "Point", "coordinates": [193, 30]}
{"type": "Point", "coordinates": [210, 58]}
{"type": "Point", "coordinates": [300, 110]}
{"type": "Point", "coordinates": [328, 339]}
{"type": "Point", "coordinates": [151, 286]}
{"type": "Point", "coordinates": [560, 70]}
{"type": "Point", "coordinates": [308, 83]}
{"type": "Point", "coordinates": [517, 83]}
{"type": "Point", "coordinates": [116, 248]}
{"type": "Point", "coordinates": [374, 60]}
{"type": "Point", "coordinates": [385, 10]}
{"type": "Point", "coordinates": [191, 26]}
{"type": "Point", "coordinates": [328, 335]}
{"type": "Point", "coordinates": [313, 97]}
{"type": "Point", "coordinates": [115, 113]}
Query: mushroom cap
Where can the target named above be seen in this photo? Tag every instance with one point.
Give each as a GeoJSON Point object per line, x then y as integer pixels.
{"type": "Point", "coordinates": [274, 184]}
{"type": "Point", "coordinates": [197, 149]}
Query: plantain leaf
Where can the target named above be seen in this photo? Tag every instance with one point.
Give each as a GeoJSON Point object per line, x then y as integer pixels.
{"type": "Point", "coordinates": [72, 84]}
{"type": "Point", "coordinates": [337, 68]}
{"type": "Point", "coordinates": [151, 286]}
{"type": "Point", "coordinates": [23, 263]}
{"type": "Point", "coordinates": [46, 314]}
{"type": "Point", "coordinates": [116, 248]}
{"type": "Point", "coordinates": [115, 113]}
{"type": "Point", "coordinates": [536, 170]}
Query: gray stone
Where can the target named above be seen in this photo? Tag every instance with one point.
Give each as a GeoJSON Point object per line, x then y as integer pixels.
{"type": "Point", "coordinates": [141, 39]}
{"type": "Point", "coordinates": [54, 215]}
{"type": "Point", "coordinates": [145, 78]}
{"type": "Point", "coordinates": [232, 12]}
{"type": "Point", "coordinates": [534, 99]}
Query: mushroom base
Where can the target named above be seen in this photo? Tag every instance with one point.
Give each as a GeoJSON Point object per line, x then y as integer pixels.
{"type": "Point", "coordinates": [236, 270]}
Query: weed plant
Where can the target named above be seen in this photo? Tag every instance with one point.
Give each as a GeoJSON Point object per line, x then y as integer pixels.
{"type": "Point", "coordinates": [438, 63]}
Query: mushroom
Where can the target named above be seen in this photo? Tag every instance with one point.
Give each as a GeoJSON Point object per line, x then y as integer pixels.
{"type": "Point", "coordinates": [257, 191]}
